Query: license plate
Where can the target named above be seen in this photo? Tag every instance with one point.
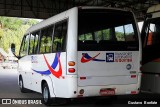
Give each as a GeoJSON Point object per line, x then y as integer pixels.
{"type": "Point", "coordinates": [105, 92]}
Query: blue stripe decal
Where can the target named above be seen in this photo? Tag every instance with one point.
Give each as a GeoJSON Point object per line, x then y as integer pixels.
{"type": "Point", "coordinates": [54, 65]}
{"type": "Point", "coordinates": [88, 57]}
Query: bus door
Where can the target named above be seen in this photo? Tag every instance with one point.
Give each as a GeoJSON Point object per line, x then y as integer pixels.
{"type": "Point", "coordinates": [151, 41]}
{"type": "Point", "coordinates": [151, 55]}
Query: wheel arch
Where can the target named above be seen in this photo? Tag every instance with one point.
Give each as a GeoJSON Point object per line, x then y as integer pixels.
{"type": "Point", "coordinates": [48, 81]}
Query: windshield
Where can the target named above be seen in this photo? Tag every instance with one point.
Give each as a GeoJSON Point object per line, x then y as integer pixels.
{"type": "Point", "coordinates": [106, 30]}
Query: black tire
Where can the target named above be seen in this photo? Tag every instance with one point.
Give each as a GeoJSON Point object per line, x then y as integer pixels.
{"type": "Point", "coordinates": [21, 86]}
{"type": "Point", "coordinates": [47, 100]}
{"type": "Point", "coordinates": [46, 94]}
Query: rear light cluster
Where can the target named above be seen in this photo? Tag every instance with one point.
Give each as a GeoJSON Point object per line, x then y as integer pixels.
{"type": "Point", "coordinates": [71, 70]}
{"type": "Point", "coordinates": [133, 92]}
{"type": "Point", "coordinates": [71, 64]}
{"type": "Point", "coordinates": [133, 76]}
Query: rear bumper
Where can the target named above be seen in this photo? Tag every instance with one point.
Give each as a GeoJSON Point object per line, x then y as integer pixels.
{"type": "Point", "coordinates": [90, 91]}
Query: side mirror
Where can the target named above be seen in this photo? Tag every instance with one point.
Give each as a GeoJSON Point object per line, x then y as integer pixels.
{"type": "Point", "coordinates": [13, 49]}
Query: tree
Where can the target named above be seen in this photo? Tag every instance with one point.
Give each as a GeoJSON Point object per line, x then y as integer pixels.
{"type": "Point", "coordinates": [1, 37]}
{"type": "Point", "coordinates": [12, 31]}
{"type": "Point", "coordinates": [1, 34]}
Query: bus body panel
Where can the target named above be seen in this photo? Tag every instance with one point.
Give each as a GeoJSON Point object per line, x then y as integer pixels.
{"type": "Point", "coordinates": [61, 85]}
{"type": "Point", "coordinates": [119, 89]}
{"type": "Point", "coordinates": [39, 67]}
{"type": "Point", "coordinates": [25, 71]}
{"type": "Point", "coordinates": [49, 82]}
{"type": "Point", "coordinates": [72, 39]}
{"type": "Point", "coordinates": [108, 68]}
{"type": "Point", "coordinates": [65, 87]}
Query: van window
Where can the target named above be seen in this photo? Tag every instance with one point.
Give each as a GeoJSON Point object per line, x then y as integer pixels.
{"type": "Point", "coordinates": [106, 30]}
{"type": "Point", "coordinates": [152, 34]}
{"type": "Point", "coordinates": [59, 38]}
{"type": "Point", "coordinates": [33, 45]}
{"type": "Point", "coordinates": [124, 33]}
{"type": "Point", "coordinates": [24, 46]}
{"type": "Point", "coordinates": [46, 40]}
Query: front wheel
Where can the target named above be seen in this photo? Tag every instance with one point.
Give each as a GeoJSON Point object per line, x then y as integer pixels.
{"type": "Point", "coordinates": [21, 86]}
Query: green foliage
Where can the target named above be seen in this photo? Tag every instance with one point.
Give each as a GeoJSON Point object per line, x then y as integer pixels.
{"type": "Point", "coordinates": [120, 36]}
{"type": "Point", "coordinates": [103, 35]}
{"type": "Point", "coordinates": [31, 22]}
{"type": "Point", "coordinates": [1, 34]}
{"type": "Point", "coordinates": [13, 30]}
{"type": "Point", "coordinates": [99, 35]}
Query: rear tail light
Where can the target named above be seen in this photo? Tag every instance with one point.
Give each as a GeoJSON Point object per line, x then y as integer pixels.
{"type": "Point", "coordinates": [71, 70]}
{"type": "Point", "coordinates": [133, 76]}
{"type": "Point", "coordinates": [133, 92]}
{"type": "Point", "coordinates": [71, 63]}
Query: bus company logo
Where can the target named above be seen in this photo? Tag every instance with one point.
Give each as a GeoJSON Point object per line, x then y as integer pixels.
{"type": "Point", "coordinates": [51, 68]}
{"type": "Point", "coordinates": [109, 57]}
{"type": "Point", "coordinates": [34, 59]}
{"type": "Point", "coordinates": [123, 57]}
{"type": "Point", "coordinates": [86, 58]}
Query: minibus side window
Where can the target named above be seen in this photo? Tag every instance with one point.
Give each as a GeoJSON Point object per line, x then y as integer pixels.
{"type": "Point", "coordinates": [125, 33]}
{"type": "Point", "coordinates": [46, 40]}
{"type": "Point", "coordinates": [33, 45]}
{"type": "Point", "coordinates": [59, 38]}
{"type": "Point", "coordinates": [24, 46]}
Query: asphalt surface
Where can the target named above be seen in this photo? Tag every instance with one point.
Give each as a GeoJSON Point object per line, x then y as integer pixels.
{"type": "Point", "coordinates": [9, 89]}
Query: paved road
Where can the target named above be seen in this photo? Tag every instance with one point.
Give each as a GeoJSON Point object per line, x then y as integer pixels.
{"type": "Point", "coordinates": [9, 89]}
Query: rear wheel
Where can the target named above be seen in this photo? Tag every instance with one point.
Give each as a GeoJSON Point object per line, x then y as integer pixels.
{"type": "Point", "coordinates": [47, 100]}
{"type": "Point", "coordinates": [46, 94]}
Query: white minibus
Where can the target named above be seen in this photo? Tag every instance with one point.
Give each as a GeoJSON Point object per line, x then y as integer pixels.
{"type": "Point", "coordinates": [82, 52]}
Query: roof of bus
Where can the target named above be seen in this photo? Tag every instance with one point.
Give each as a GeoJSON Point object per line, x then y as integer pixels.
{"type": "Point", "coordinates": [62, 16]}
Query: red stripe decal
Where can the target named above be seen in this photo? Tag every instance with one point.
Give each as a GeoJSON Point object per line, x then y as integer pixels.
{"type": "Point", "coordinates": [55, 73]}
{"type": "Point", "coordinates": [83, 60]}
